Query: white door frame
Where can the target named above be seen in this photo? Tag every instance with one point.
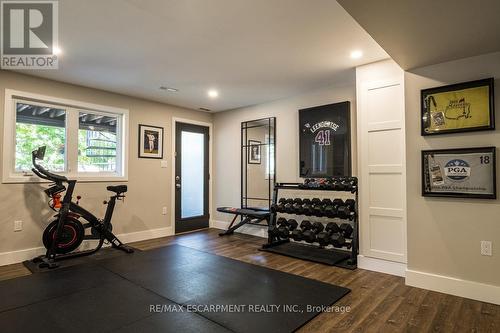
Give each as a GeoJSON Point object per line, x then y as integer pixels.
{"type": "Point", "coordinates": [176, 120]}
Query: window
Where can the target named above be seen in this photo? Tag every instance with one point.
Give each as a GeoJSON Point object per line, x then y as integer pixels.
{"type": "Point", "coordinates": [97, 142]}
{"type": "Point", "coordinates": [38, 125]}
{"type": "Point", "coordinates": [84, 141]}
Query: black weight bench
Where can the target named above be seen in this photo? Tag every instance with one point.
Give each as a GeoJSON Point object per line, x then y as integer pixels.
{"type": "Point", "coordinates": [249, 215]}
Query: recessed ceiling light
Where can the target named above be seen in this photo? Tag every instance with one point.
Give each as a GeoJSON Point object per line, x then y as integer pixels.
{"type": "Point", "coordinates": [169, 89]}
{"type": "Point", "coordinates": [212, 93]}
{"type": "Point", "coordinates": [56, 50]}
{"type": "Point", "coordinates": [356, 54]}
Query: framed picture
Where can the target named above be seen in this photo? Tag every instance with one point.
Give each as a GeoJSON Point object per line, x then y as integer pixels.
{"type": "Point", "coordinates": [460, 173]}
{"type": "Point", "coordinates": [150, 141]}
{"type": "Point", "coordinates": [459, 107]}
{"type": "Point", "coordinates": [254, 152]}
{"type": "Point", "coordinates": [325, 141]}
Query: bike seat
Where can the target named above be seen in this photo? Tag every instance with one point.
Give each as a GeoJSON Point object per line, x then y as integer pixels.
{"type": "Point", "coordinates": [117, 189]}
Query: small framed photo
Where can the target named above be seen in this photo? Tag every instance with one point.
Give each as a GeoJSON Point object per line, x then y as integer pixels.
{"type": "Point", "coordinates": [254, 152]}
{"type": "Point", "coordinates": [461, 107]}
{"type": "Point", "coordinates": [459, 173]}
{"type": "Point", "coordinates": [150, 141]}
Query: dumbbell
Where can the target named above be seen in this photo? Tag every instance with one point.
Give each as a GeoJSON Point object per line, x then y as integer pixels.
{"type": "Point", "coordinates": [346, 230]}
{"type": "Point", "coordinates": [305, 226]}
{"type": "Point", "coordinates": [305, 184]}
{"type": "Point", "coordinates": [298, 234]}
{"type": "Point", "coordinates": [324, 237]}
{"type": "Point", "coordinates": [282, 225]}
{"type": "Point", "coordinates": [312, 183]}
{"type": "Point", "coordinates": [280, 207]}
{"type": "Point", "coordinates": [297, 206]}
{"type": "Point", "coordinates": [292, 224]}
{"type": "Point", "coordinates": [331, 210]}
{"type": "Point", "coordinates": [332, 228]}
{"type": "Point", "coordinates": [349, 184]}
{"type": "Point", "coordinates": [351, 203]}
{"type": "Point", "coordinates": [344, 212]}
{"type": "Point", "coordinates": [326, 202]}
{"type": "Point", "coordinates": [289, 206]}
{"type": "Point", "coordinates": [337, 240]}
{"type": "Point", "coordinates": [310, 234]}
{"type": "Point", "coordinates": [307, 207]}
{"type": "Point", "coordinates": [328, 208]}
{"type": "Point", "coordinates": [317, 207]}
{"type": "Point", "coordinates": [320, 209]}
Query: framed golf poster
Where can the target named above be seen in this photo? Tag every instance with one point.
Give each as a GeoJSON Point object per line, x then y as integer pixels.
{"type": "Point", "coordinates": [462, 173]}
{"type": "Point", "coordinates": [459, 107]}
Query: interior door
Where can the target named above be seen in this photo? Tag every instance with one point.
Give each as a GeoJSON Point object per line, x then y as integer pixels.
{"type": "Point", "coordinates": [191, 177]}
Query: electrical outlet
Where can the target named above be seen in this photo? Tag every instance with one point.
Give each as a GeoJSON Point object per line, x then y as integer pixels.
{"type": "Point", "coordinates": [164, 211]}
{"type": "Point", "coordinates": [18, 225]}
{"type": "Point", "coordinates": [486, 248]}
{"type": "Point", "coordinates": [164, 164]}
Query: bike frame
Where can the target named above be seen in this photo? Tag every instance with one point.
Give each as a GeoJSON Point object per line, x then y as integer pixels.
{"type": "Point", "coordinates": [67, 208]}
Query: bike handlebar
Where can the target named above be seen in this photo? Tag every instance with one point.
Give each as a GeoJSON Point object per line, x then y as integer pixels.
{"type": "Point", "coordinates": [41, 172]}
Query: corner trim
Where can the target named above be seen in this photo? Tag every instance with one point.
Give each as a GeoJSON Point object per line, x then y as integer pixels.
{"type": "Point", "coordinates": [382, 266]}
{"type": "Point", "coordinates": [454, 286]}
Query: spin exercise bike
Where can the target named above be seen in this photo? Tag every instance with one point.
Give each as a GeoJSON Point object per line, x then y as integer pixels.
{"type": "Point", "coordinates": [66, 232]}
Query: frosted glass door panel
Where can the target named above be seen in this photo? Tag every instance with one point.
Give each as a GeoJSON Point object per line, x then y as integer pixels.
{"type": "Point", "coordinates": [192, 170]}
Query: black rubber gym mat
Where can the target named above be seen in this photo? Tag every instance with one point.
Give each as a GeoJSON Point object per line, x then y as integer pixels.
{"type": "Point", "coordinates": [173, 322]}
{"type": "Point", "coordinates": [257, 299]}
{"type": "Point", "coordinates": [30, 289]}
{"type": "Point", "coordinates": [310, 253]}
{"type": "Point", "coordinates": [144, 291]}
{"type": "Point", "coordinates": [101, 309]}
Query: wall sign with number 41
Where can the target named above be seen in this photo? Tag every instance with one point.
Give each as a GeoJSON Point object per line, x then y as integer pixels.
{"type": "Point", "coordinates": [323, 138]}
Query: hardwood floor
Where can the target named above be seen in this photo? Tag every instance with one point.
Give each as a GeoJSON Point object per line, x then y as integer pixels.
{"type": "Point", "coordinates": [378, 302]}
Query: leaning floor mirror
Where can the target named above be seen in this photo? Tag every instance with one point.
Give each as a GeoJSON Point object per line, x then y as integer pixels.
{"type": "Point", "coordinates": [258, 161]}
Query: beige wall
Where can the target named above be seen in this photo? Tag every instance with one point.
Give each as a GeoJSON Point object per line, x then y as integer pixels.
{"type": "Point", "coordinates": [149, 184]}
{"type": "Point", "coordinates": [227, 139]}
{"type": "Point", "coordinates": [444, 234]}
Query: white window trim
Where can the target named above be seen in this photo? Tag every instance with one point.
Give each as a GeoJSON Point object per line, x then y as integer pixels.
{"type": "Point", "coordinates": [9, 137]}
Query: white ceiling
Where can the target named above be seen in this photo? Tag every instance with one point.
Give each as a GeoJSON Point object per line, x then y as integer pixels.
{"type": "Point", "coordinates": [252, 51]}
{"type": "Point", "coordinates": [424, 32]}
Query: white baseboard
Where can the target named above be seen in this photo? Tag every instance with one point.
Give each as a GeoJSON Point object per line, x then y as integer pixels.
{"type": "Point", "coordinates": [13, 257]}
{"type": "Point", "coordinates": [246, 229]}
{"type": "Point", "coordinates": [382, 266]}
{"type": "Point", "coordinates": [145, 234]}
{"type": "Point", "coordinates": [219, 224]}
{"type": "Point", "coordinates": [454, 286]}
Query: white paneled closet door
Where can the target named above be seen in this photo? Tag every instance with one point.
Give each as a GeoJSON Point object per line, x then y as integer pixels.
{"type": "Point", "coordinates": [382, 169]}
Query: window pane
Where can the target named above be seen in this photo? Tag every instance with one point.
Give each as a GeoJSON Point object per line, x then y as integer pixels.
{"type": "Point", "coordinates": [97, 142]}
{"type": "Point", "coordinates": [40, 126]}
{"type": "Point", "coordinates": [192, 169]}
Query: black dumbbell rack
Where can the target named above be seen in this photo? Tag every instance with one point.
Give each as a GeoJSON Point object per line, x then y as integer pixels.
{"type": "Point", "coordinates": [343, 257]}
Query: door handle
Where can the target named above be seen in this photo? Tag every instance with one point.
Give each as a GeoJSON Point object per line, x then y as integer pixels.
{"type": "Point", "coordinates": [178, 185]}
